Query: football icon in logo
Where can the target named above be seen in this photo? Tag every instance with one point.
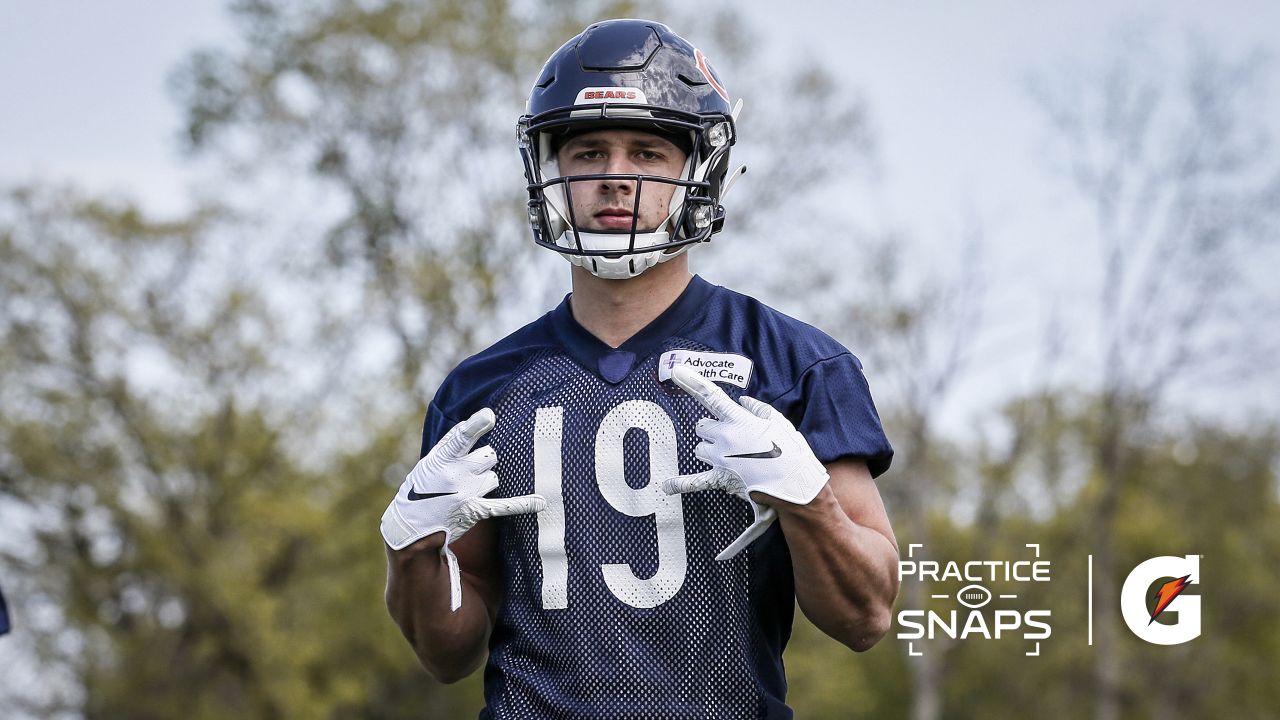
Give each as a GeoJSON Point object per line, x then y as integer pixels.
{"type": "Point", "coordinates": [973, 596]}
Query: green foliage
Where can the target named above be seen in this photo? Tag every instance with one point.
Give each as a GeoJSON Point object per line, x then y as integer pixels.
{"type": "Point", "coordinates": [203, 516]}
{"type": "Point", "coordinates": [826, 681]}
{"type": "Point", "coordinates": [1194, 490]}
{"type": "Point", "coordinates": [195, 562]}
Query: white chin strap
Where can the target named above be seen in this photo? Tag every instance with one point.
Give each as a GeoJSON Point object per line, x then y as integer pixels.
{"type": "Point", "coordinates": [620, 268]}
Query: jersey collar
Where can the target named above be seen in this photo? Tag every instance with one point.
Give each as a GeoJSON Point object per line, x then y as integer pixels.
{"type": "Point", "coordinates": [612, 363]}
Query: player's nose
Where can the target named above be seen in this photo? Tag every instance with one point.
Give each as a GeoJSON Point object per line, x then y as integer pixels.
{"type": "Point", "coordinates": [617, 186]}
{"type": "Point", "coordinates": [619, 164]}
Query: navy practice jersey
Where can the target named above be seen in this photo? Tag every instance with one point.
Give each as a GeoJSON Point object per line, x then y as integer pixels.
{"type": "Point", "coordinates": [613, 605]}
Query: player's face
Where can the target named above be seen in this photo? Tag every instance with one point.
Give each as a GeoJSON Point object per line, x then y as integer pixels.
{"type": "Point", "coordinates": [607, 205]}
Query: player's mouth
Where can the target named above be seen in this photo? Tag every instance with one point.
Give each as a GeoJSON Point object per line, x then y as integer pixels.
{"type": "Point", "coordinates": [614, 219]}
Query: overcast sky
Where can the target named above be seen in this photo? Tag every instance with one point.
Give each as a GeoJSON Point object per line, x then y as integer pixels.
{"type": "Point", "coordinates": [85, 101]}
{"type": "Point", "coordinates": [84, 82]}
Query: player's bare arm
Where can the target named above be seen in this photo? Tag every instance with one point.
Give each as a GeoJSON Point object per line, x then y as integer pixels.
{"type": "Point", "coordinates": [844, 554]}
{"type": "Point", "coordinates": [449, 644]}
{"type": "Point", "coordinates": [443, 603]}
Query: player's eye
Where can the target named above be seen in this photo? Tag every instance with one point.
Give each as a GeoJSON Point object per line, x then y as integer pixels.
{"type": "Point", "coordinates": [650, 156]}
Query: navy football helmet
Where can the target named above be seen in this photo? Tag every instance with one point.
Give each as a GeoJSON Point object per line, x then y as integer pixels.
{"type": "Point", "coordinates": [633, 74]}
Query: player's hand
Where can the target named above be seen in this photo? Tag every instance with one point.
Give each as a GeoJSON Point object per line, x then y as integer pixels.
{"type": "Point", "coordinates": [751, 448]}
{"type": "Point", "coordinates": [445, 492]}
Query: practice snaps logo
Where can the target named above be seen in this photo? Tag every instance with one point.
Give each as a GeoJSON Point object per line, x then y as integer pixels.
{"type": "Point", "coordinates": [977, 616]}
{"type": "Point", "coordinates": [1172, 617]}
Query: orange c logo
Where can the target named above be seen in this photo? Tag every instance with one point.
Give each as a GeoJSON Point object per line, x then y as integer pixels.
{"type": "Point", "coordinates": [706, 73]}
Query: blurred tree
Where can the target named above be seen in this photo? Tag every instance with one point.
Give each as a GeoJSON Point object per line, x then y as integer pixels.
{"type": "Point", "coordinates": [1198, 489]}
{"type": "Point", "coordinates": [193, 421]}
{"type": "Point", "coordinates": [203, 478]}
{"type": "Point", "coordinates": [1177, 173]}
{"type": "Point", "coordinates": [403, 114]}
{"type": "Point", "coordinates": [183, 553]}
{"type": "Point", "coordinates": [914, 335]}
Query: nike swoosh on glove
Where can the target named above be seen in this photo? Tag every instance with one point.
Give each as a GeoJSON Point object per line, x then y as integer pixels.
{"type": "Point", "coordinates": [445, 492]}
{"type": "Point", "coordinates": [751, 448]}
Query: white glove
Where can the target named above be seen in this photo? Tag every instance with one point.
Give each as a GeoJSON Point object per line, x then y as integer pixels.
{"type": "Point", "coordinates": [445, 492]}
{"type": "Point", "coordinates": [751, 448]}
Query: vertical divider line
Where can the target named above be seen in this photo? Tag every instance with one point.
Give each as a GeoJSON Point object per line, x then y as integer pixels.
{"type": "Point", "coordinates": [1091, 601]}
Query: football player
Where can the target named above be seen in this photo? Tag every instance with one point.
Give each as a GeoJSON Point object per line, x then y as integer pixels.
{"type": "Point", "coordinates": [623, 500]}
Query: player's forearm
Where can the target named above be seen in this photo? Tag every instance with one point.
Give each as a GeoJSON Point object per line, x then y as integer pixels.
{"type": "Point", "coordinates": [449, 644]}
{"type": "Point", "coordinates": [845, 573]}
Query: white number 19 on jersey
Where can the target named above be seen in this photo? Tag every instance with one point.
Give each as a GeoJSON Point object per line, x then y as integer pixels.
{"type": "Point", "coordinates": [667, 511]}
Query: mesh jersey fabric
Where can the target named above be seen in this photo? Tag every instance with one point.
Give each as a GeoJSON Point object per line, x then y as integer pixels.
{"type": "Point", "coordinates": [613, 605]}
